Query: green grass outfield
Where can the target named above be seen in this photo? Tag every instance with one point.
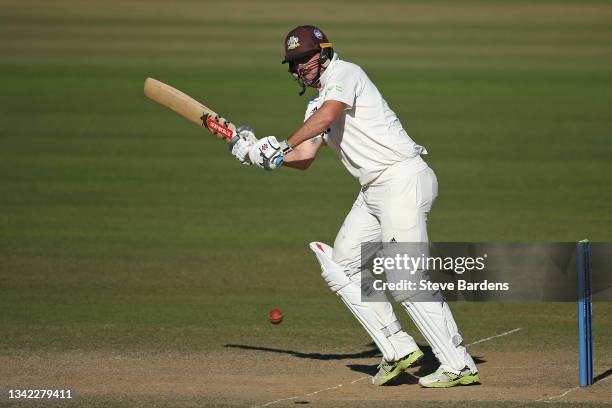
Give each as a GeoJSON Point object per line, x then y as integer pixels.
{"type": "Point", "coordinates": [125, 229]}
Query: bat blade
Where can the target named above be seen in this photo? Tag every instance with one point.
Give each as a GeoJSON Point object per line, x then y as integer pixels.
{"type": "Point", "coordinates": [189, 108]}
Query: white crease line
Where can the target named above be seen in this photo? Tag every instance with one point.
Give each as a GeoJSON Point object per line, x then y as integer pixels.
{"type": "Point", "coordinates": [566, 392]}
{"type": "Point", "coordinates": [362, 378]}
{"type": "Point", "coordinates": [369, 376]}
{"type": "Point", "coordinates": [325, 389]}
{"type": "Point", "coordinates": [274, 402]}
{"type": "Point", "coordinates": [494, 337]}
{"type": "Point", "coordinates": [557, 396]}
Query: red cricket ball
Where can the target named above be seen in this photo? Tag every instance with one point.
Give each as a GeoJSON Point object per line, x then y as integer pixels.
{"type": "Point", "coordinates": [275, 316]}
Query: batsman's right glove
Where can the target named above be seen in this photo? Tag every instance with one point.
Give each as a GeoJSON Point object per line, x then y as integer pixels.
{"type": "Point", "coordinates": [268, 153]}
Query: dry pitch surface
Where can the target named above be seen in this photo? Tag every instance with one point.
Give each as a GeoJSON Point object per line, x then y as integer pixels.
{"type": "Point", "coordinates": [258, 378]}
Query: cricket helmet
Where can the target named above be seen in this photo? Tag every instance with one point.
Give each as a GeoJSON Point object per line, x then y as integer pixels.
{"type": "Point", "coordinates": [306, 40]}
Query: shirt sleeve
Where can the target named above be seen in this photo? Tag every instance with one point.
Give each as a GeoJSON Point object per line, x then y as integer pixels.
{"type": "Point", "coordinates": [342, 87]}
{"type": "Point", "coordinates": [311, 108]}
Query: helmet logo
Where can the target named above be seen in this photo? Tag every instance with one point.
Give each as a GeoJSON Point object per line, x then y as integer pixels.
{"type": "Point", "coordinates": [293, 42]}
{"type": "Point", "coordinates": [318, 34]}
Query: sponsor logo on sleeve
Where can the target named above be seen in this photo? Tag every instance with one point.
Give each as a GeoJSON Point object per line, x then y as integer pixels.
{"type": "Point", "coordinates": [335, 88]}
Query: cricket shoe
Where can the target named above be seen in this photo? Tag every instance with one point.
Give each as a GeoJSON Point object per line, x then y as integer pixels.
{"type": "Point", "coordinates": [444, 378]}
{"type": "Point", "coordinates": [387, 371]}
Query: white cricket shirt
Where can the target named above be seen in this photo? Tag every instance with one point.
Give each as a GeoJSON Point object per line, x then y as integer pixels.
{"type": "Point", "coordinates": [369, 137]}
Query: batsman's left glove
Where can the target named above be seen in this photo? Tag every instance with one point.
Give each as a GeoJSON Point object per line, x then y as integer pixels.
{"type": "Point", "coordinates": [242, 142]}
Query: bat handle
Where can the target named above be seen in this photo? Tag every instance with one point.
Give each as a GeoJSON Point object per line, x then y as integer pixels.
{"type": "Point", "coordinates": [233, 141]}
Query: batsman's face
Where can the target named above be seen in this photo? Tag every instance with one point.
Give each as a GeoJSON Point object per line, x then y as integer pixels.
{"type": "Point", "coordinates": [307, 67]}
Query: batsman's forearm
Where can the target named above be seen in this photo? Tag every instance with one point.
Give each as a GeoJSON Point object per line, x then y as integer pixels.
{"type": "Point", "coordinates": [302, 156]}
{"type": "Point", "coordinates": [314, 126]}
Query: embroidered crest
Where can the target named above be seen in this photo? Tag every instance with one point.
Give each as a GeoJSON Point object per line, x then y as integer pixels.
{"type": "Point", "coordinates": [293, 42]}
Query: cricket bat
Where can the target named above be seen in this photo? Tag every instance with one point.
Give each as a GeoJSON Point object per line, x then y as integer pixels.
{"type": "Point", "coordinates": [189, 108]}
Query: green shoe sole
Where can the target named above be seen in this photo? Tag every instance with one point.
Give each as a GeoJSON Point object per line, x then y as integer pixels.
{"type": "Point", "coordinates": [403, 364]}
{"type": "Point", "coordinates": [465, 380]}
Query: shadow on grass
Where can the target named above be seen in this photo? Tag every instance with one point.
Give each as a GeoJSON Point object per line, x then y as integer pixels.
{"type": "Point", "coordinates": [372, 352]}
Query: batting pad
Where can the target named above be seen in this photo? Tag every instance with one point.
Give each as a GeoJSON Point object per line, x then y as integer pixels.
{"type": "Point", "coordinates": [377, 318]}
{"type": "Point", "coordinates": [436, 323]}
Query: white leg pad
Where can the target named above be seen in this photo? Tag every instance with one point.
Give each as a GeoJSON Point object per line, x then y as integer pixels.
{"type": "Point", "coordinates": [436, 323]}
{"type": "Point", "coordinates": [377, 318]}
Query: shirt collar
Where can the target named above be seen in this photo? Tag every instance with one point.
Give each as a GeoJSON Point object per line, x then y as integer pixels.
{"type": "Point", "coordinates": [325, 73]}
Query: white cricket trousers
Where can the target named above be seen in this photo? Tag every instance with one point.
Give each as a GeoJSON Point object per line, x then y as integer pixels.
{"type": "Point", "coordinates": [395, 206]}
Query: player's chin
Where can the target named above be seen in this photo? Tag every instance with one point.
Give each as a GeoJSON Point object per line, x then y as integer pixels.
{"type": "Point", "coordinates": [312, 83]}
{"type": "Point", "coordinates": [308, 79]}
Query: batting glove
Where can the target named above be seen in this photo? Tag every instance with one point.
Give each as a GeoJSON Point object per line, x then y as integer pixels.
{"type": "Point", "coordinates": [242, 142]}
{"type": "Point", "coordinates": [268, 153]}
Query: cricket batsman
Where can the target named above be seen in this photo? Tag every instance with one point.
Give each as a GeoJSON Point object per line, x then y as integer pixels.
{"type": "Point", "coordinates": [398, 190]}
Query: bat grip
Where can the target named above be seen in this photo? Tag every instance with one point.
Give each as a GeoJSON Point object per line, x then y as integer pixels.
{"type": "Point", "coordinates": [233, 141]}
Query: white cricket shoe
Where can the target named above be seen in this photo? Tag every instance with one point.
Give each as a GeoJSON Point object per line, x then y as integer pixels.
{"type": "Point", "coordinates": [388, 371]}
{"type": "Point", "coordinates": [444, 378]}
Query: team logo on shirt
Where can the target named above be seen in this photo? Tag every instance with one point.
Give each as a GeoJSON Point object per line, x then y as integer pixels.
{"type": "Point", "coordinates": [293, 42]}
